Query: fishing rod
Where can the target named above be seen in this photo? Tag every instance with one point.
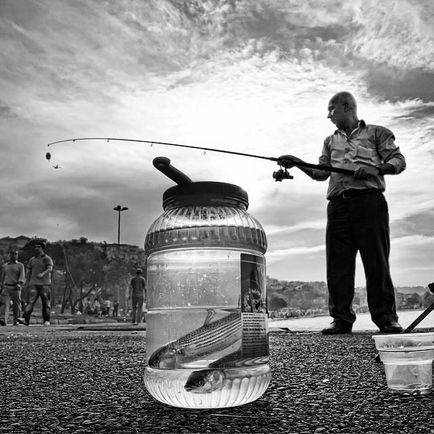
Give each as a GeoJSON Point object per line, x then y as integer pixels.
{"type": "Point", "coordinates": [278, 176]}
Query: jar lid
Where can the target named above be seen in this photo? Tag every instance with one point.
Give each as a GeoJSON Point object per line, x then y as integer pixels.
{"type": "Point", "coordinates": [206, 194]}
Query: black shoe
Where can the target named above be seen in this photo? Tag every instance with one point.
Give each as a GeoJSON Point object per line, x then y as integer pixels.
{"type": "Point", "coordinates": [391, 327]}
{"type": "Point", "coordinates": [337, 328]}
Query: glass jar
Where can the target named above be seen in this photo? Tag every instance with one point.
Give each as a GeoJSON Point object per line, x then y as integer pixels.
{"type": "Point", "coordinates": [207, 331]}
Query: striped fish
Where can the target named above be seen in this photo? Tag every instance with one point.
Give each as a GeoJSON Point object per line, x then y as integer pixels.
{"type": "Point", "coordinates": [211, 338]}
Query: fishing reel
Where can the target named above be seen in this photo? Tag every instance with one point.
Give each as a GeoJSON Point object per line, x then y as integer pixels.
{"type": "Point", "coordinates": [282, 174]}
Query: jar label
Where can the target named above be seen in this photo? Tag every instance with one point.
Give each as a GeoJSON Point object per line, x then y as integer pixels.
{"type": "Point", "coordinates": [254, 335]}
{"type": "Point", "coordinates": [253, 283]}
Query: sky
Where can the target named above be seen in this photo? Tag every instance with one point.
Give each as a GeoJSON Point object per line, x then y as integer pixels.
{"type": "Point", "coordinates": [245, 76]}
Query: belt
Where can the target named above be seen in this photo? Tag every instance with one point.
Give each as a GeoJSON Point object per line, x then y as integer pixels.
{"type": "Point", "coordinates": [11, 284]}
{"type": "Point", "coordinates": [351, 193]}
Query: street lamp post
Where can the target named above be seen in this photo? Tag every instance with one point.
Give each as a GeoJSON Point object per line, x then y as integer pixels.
{"type": "Point", "coordinates": [119, 209]}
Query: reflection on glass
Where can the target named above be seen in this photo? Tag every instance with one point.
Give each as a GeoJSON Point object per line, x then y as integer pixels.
{"type": "Point", "coordinates": [194, 278]}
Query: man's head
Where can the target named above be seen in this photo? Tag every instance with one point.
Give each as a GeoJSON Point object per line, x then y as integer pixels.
{"type": "Point", "coordinates": [13, 255]}
{"type": "Point", "coordinates": [342, 110]}
{"type": "Point", "coordinates": [139, 271]}
{"type": "Point", "coordinates": [39, 247]}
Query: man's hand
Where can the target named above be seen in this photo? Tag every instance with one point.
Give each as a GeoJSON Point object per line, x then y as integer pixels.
{"type": "Point", "coordinates": [288, 161]}
{"type": "Point", "coordinates": [366, 172]}
{"type": "Point", "coordinates": [40, 275]}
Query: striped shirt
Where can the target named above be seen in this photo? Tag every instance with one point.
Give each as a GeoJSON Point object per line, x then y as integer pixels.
{"type": "Point", "coordinates": [370, 145]}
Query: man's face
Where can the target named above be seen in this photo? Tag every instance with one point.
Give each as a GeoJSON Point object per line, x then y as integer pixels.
{"type": "Point", "coordinates": [38, 249]}
{"type": "Point", "coordinates": [13, 256]}
{"type": "Point", "coordinates": [338, 112]}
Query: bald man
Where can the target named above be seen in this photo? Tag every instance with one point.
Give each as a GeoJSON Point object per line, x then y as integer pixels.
{"type": "Point", "coordinates": [357, 214]}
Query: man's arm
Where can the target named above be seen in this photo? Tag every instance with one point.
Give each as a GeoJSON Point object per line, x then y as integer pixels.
{"type": "Point", "coordinates": [29, 270]}
{"type": "Point", "coordinates": [2, 277]}
{"type": "Point", "coordinates": [289, 161]}
{"type": "Point", "coordinates": [144, 287]}
{"type": "Point", "coordinates": [130, 289]}
{"type": "Point", "coordinates": [393, 161]}
{"type": "Point", "coordinates": [22, 274]}
{"type": "Point", "coordinates": [48, 267]}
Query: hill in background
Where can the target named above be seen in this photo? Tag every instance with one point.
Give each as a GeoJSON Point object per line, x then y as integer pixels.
{"type": "Point", "coordinates": [298, 298]}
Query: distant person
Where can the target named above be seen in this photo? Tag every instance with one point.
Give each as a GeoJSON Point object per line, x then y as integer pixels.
{"type": "Point", "coordinates": [357, 214]}
{"type": "Point", "coordinates": [88, 307]}
{"type": "Point", "coordinates": [108, 306]}
{"type": "Point", "coordinates": [97, 308]}
{"type": "Point", "coordinates": [11, 281]}
{"type": "Point", "coordinates": [115, 308]}
{"type": "Point", "coordinates": [137, 294]}
{"type": "Point", "coordinates": [39, 271]}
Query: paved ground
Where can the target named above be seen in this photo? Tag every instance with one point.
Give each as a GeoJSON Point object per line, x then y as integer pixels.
{"type": "Point", "coordinates": [63, 379]}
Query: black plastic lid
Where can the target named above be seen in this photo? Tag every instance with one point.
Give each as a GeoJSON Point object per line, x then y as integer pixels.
{"type": "Point", "coordinates": [206, 194]}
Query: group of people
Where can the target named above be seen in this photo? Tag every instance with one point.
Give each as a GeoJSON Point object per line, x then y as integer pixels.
{"type": "Point", "coordinates": [136, 299]}
{"type": "Point", "coordinates": [101, 307]}
{"type": "Point", "coordinates": [38, 278]}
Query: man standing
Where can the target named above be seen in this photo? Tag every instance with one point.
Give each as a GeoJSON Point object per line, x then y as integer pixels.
{"type": "Point", "coordinates": [39, 271]}
{"type": "Point", "coordinates": [357, 214]}
{"type": "Point", "coordinates": [11, 281]}
{"type": "Point", "coordinates": [137, 295]}
{"type": "Point", "coordinates": [115, 308]}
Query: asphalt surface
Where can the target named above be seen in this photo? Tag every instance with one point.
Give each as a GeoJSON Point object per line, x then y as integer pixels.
{"type": "Point", "coordinates": [90, 380]}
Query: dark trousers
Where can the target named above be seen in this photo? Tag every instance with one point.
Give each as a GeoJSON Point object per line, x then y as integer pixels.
{"type": "Point", "coordinates": [36, 291]}
{"type": "Point", "coordinates": [137, 307]}
{"type": "Point", "coordinates": [359, 223]}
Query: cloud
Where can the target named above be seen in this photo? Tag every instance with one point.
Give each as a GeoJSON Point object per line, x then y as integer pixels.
{"type": "Point", "coordinates": [398, 34]}
{"type": "Point", "coordinates": [392, 48]}
{"type": "Point", "coordinates": [419, 112]}
{"type": "Point", "coordinates": [409, 260]}
{"type": "Point", "coordinates": [416, 224]}
{"type": "Point", "coordinates": [6, 111]}
{"type": "Point", "coordinates": [395, 85]}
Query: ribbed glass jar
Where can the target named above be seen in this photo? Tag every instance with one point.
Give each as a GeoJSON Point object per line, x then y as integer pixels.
{"type": "Point", "coordinates": [207, 331]}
